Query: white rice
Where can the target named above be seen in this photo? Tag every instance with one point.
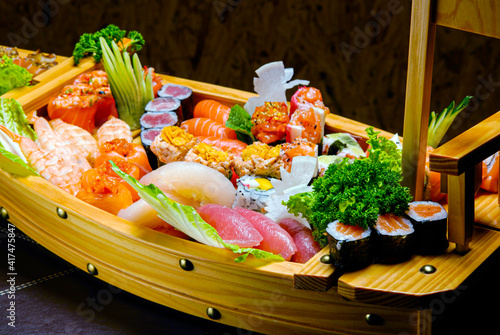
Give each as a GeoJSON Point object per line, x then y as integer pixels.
{"type": "Point", "coordinates": [330, 229]}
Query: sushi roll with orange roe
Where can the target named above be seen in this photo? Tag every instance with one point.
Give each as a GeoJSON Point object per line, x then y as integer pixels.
{"type": "Point", "coordinates": [350, 246]}
{"type": "Point", "coordinates": [430, 221]}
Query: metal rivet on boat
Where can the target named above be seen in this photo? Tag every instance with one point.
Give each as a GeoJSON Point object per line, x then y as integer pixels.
{"type": "Point", "coordinates": [92, 269]}
{"type": "Point", "coordinates": [428, 269]}
{"type": "Point", "coordinates": [4, 213]}
{"type": "Point", "coordinates": [326, 259]}
{"type": "Point", "coordinates": [213, 313]}
{"type": "Point", "coordinates": [62, 213]}
{"type": "Point", "coordinates": [186, 264]}
{"type": "Point", "coordinates": [374, 319]}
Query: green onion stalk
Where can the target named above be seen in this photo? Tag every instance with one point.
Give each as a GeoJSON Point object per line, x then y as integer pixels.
{"type": "Point", "coordinates": [131, 90]}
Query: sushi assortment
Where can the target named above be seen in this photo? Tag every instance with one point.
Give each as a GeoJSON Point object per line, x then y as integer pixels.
{"type": "Point", "coordinates": [241, 170]}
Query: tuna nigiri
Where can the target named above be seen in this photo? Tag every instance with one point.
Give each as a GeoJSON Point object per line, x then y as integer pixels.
{"type": "Point", "coordinates": [205, 127]}
{"type": "Point", "coordinates": [275, 239]}
{"type": "Point", "coordinates": [231, 226]}
{"type": "Point", "coordinates": [307, 247]}
{"type": "Point", "coordinates": [213, 110]}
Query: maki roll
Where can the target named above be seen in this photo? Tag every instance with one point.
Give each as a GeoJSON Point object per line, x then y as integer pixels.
{"type": "Point", "coordinates": [393, 238]}
{"type": "Point", "coordinates": [183, 93]}
{"type": "Point", "coordinates": [350, 246]}
{"type": "Point", "coordinates": [430, 220]}
{"type": "Point", "coordinates": [253, 192]}
{"type": "Point", "coordinates": [167, 104]}
{"type": "Point", "coordinates": [159, 119]}
{"type": "Point", "coordinates": [147, 138]}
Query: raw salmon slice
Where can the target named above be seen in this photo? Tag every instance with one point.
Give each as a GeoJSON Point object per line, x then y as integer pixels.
{"type": "Point", "coordinates": [231, 226]}
{"type": "Point", "coordinates": [276, 239]}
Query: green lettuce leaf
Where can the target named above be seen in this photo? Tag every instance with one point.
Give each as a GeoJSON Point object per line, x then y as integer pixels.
{"type": "Point", "coordinates": [383, 150]}
{"type": "Point", "coordinates": [241, 122]}
{"type": "Point", "coordinates": [12, 75]}
{"type": "Point", "coordinates": [187, 220]}
{"type": "Point", "coordinates": [13, 117]}
{"type": "Point", "coordinates": [14, 164]}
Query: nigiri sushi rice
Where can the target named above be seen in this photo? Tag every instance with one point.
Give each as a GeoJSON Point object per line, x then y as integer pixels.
{"type": "Point", "coordinates": [253, 193]}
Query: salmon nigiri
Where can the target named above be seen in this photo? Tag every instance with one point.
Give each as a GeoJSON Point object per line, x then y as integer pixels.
{"type": "Point", "coordinates": [212, 110]}
{"type": "Point", "coordinates": [226, 144]}
{"type": "Point", "coordinates": [202, 126]}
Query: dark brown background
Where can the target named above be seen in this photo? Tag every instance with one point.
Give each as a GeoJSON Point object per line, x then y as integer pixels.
{"type": "Point", "coordinates": [225, 41]}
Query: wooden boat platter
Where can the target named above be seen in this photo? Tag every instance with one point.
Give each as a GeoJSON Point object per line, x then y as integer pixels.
{"type": "Point", "coordinates": [269, 297]}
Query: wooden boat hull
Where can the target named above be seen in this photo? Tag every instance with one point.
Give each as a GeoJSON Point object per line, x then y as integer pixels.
{"type": "Point", "coordinates": [269, 297]}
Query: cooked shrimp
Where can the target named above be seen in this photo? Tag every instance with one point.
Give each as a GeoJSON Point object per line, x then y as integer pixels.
{"type": "Point", "coordinates": [112, 129]}
{"type": "Point", "coordinates": [50, 140]}
{"type": "Point", "coordinates": [78, 137]}
{"type": "Point", "coordinates": [50, 167]}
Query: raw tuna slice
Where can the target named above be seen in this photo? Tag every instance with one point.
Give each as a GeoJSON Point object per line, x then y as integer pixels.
{"type": "Point", "coordinates": [159, 119]}
{"type": "Point", "coordinates": [307, 247]}
{"type": "Point", "coordinates": [183, 93]}
{"type": "Point", "coordinates": [276, 239]}
{"type": "Point", "coordinates": [163, 104]}
{"type": "Point", "coordinates": [232, 227]}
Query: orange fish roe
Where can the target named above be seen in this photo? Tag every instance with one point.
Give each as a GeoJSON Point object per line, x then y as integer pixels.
{"type": "Point", "coordinates": [176, 136]}
{"type": "Point", "coordinates": [260, 149]}
{"type": "Point", "coordinates": [118, 145]}
{"type": "Point", "coordinates": [269, 121]}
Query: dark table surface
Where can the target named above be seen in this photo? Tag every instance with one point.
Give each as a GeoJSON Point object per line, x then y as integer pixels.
{"type": "Point", "coordinates": [54, 297]}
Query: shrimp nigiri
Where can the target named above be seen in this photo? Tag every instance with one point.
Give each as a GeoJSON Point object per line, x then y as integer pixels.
{"type": "Point", "coordinates": [201, 126]}
{"type": "Point", "coordinates": [78, 137]}
{"type": "Point", "coordinates": [50, 167]}
{"type": "Point", "coordinates": [51, 141]}
{"type": "Point", "coordinates": [112, 129]}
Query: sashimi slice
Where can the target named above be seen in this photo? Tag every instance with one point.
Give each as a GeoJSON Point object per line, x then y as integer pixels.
{"type": "Point", "coordinates": [192, 184]}
{"type": "Point", "coordinates": [231, 226]}
{"type": "Point", "coordinates": [276, 239]}
{"type": "Point", "coordinates": [307, 247]}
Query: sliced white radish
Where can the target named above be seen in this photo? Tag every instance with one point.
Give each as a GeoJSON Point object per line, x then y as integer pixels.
{"type": "Point", "coordinates": [271, 84]}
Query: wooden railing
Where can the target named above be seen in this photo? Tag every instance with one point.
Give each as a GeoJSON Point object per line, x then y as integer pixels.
{"type": "Point", "coordinates": [461, 166]}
